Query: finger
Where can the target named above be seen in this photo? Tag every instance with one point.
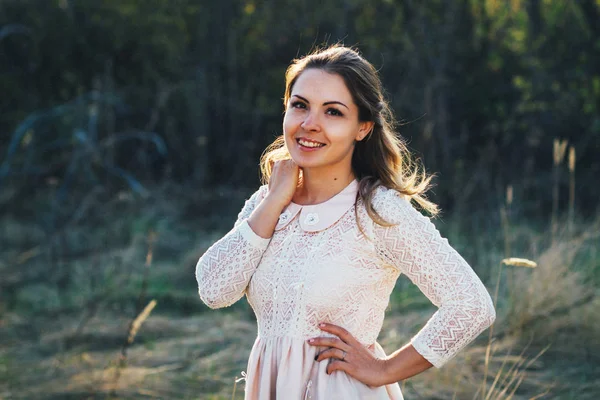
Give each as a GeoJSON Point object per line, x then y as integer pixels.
{"type": "Point", "coordinates": [332, 353]}
{"type": "Point", "coordinates": [339, 332]}
{"type": "Point", "coordinates": [329, 342]}
{"type": "Point", "coordinates": [337, 366]}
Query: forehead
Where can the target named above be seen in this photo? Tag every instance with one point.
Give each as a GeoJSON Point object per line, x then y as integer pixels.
{"type": "Point", "coordinates": [321, 86]}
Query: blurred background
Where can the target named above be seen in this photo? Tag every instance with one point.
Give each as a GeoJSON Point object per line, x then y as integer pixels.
{"type": "Point", "coordinates": [130, 134]}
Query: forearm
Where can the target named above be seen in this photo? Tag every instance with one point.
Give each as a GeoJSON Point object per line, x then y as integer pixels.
{"type": "Point", "coordinates": [408, 362]}
{"type": "Point", "coordinates": [404, 363]}
{"type": "Point", "coordinates": [224, 270]}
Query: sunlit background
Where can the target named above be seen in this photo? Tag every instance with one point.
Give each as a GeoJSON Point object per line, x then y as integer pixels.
{"type": "Point", "coordinates": [130, 133]}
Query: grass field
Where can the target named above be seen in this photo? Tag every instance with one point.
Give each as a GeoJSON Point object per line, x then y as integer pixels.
{"type": "Point", "coordinates": [70, 296]}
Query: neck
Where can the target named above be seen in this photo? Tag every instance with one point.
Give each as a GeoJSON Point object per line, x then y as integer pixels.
{"type": "Point", "coordinates": [317, 188]}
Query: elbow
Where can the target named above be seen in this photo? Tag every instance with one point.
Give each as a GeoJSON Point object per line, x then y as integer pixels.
{"type": "Point", "coordinates": [207, 290]}
{"type": "Point", "coordinates": [205, 294]}
{"type": "Point", "coordinates": [491, 317]}
{"type": "Point", "coordinates": [212, 293]}
{"type": "Point", "coordinates": [215, 298]}
{"type": "Point", "coordinates": [211, 301]}
{"type": "Point", "coordinates": [489, 311]}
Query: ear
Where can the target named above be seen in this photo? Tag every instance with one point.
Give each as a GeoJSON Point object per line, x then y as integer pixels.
{"type": "Point", "coordinates": [364, 129]}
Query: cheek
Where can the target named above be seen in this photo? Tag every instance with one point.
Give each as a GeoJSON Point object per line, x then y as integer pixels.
{"type": "Point", "coordinates": [289, 128]}
{"type": "Point", "coordinates": [343, 136]}
{"type": "Point", "coordinates": [290, 123]}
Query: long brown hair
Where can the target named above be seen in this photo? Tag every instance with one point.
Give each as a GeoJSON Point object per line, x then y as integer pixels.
{"type": "Point", "coordinates": [381, 158]}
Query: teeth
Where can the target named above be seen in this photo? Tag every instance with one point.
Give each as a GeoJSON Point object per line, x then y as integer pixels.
{"type": "Point", "coordinates": [310, 144]}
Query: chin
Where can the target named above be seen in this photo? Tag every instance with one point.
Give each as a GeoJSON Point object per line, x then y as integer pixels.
{"type": "Point", "coordinates": [301, 163]}
{"type": "Point", "coordinates": [307, 165]}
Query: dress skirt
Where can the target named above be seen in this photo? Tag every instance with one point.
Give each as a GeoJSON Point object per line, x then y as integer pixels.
{"type": "Point", "coordinates": [285, 368]}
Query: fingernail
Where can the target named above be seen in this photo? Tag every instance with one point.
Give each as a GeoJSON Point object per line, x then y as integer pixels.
{"type": "Point", "coordinates": [321, 325]}
{"type": "Point", "coordinates": [311, 340]}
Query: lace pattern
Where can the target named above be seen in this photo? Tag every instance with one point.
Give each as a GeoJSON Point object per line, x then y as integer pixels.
{"type": "Point", "coordinates": [300, 278]}
{"type": "Point", "coordinates": [224, 270]}
{"type": "Point", "coordinates": [415, 247]}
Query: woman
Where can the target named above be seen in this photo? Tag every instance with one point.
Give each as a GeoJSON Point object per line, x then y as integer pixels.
{"type": "Point", "coordinates": [318, 249]}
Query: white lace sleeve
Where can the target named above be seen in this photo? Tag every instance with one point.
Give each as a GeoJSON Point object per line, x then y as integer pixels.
{"type": "Point", "coordinates": [416, 248]}
{"type": "Point", "coordinates": [224, 270]}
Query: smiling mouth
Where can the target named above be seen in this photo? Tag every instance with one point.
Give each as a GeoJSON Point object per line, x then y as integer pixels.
{"type": "Point", "coordinates": [310, 144]}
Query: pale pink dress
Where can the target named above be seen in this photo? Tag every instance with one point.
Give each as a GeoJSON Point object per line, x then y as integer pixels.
{"type": "Point", "coordinates": [319, 267]}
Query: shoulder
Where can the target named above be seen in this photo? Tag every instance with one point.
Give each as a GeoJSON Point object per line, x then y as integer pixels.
{"type": "Point", "coordinates": [251, 202]}
{"type": "Point", "coordinates": [392, 205]}
{"type": "Point", "coordinates": [256, 197]}
{"type": "Point", "coordinates": [260, 193]}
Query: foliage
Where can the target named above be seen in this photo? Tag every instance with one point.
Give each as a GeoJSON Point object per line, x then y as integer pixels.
{"type": "Point", "coordinates": [484, 87]}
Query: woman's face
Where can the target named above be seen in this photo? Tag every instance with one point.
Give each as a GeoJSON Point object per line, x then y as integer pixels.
{"type": "Point", "coordinates": [321, 122]}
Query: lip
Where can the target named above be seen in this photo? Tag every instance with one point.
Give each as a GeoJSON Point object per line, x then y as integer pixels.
{"type": "Point", "coordinates": [308, 149]}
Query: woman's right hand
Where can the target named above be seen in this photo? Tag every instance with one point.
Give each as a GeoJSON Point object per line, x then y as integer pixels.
{"type": "Point", "coordinates": [284, 181]}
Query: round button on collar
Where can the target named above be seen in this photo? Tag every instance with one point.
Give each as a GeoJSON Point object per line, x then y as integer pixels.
{"type": "Point", "coordinates": [284, 217]}
{"type": "Point", "coordinates": [311, 219]}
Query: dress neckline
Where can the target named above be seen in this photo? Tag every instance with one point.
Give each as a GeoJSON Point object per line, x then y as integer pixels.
{"type": "Point", "coordinates": [317, 217]}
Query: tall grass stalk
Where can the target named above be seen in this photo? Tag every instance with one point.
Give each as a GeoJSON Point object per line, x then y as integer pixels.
{"type": "Point", "coordinates": [149, 256]}
{"type": "Point", "coordinates": [235, 382]}
{"type": "Point", "coordinates": [516, 262]}
{"type": "Point", "coordinates": [505, 384]}
{"type": "Point", "coordinates": [136, 322]}
{"type": "Point", "coordinates": [559, 149]}
{"type": "Point", "coordinates": [505, 212]}
{"type": "Point", "coordinates": [505, 216]}
{"type": "Point", "coordinates": [571, 188]}
{"type": "Point", "coordinates": [135, 326]}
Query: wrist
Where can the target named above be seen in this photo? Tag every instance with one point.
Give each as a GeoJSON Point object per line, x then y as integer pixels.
{"type": "Point", "coordinates": [276, 203]}
{"type": "Point", "coordinates": [387, 375]}
{"type": "Point", "coordinates": [403, 364]}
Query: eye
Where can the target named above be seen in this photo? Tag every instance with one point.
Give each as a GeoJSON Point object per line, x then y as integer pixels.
{"type": "Point", "coordinates": [334, 111]}
{"type": "Point", "coordinates": [298, 104]}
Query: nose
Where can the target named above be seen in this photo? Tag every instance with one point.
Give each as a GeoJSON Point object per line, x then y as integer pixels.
{"type": "Point", "coordinates": [311, 122]}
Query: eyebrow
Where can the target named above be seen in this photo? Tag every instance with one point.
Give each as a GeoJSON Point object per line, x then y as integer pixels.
{"type": "Point", "coordinates": [325, 104]}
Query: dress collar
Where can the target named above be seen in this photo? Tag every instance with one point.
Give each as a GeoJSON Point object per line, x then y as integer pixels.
{"type": "Point", "coordinates": [316, 217]}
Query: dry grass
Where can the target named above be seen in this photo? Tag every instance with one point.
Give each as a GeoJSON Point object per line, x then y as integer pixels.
{"type": "Point", "coordinates": [546, 311]}
{"type": "Point", "coordinates": [199, 357]}
{"type": "Point", "coordinates": [65, 345]}
{"type": "Point", "coordinates": [175, 358]}
{"type": "Point", "coordinates": [545, 300]}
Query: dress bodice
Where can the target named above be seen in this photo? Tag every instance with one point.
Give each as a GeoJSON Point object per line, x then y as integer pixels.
{"type": "Point", "coordinates": [330, 275]}
{"type": "Point", "coordinates": [331, 262]}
